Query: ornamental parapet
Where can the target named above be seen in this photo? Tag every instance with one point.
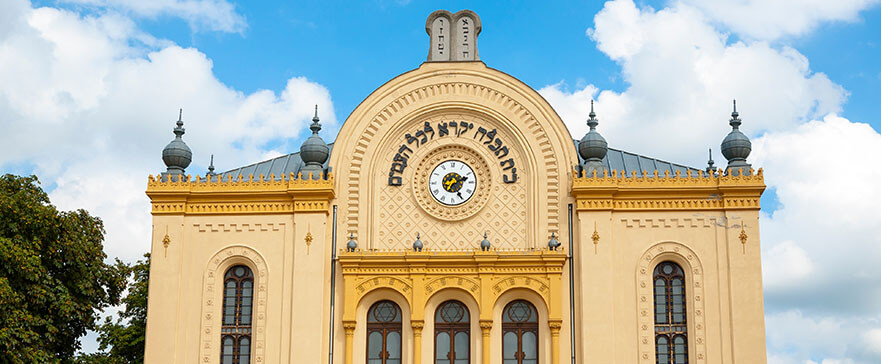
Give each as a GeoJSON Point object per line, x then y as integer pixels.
{"type": "Point", "coordinates": [677, 191]}
{"type": "Point", "coordinates": [260, 195]}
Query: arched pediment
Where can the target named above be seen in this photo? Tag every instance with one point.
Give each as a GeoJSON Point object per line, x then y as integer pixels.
{"type": "Point", "coordinates": [385, 149]}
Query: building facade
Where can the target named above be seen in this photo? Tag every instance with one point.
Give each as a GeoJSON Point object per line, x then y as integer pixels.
{"type": "Point", "coordinates": [455, 220]}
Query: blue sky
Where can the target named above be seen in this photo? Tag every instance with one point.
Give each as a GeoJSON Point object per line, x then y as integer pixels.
{"type": "Point", "coordinates": [89, 91]}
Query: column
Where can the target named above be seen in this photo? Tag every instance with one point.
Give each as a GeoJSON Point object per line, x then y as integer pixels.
{"type": "Point", "coordinates": [485, 329]}
{"type": "Point", "coordinates": [555, 326]}
{"type": "Point", "coordinates": [349, 326]}
{"type": "Point", "coordinates": [417, 341]}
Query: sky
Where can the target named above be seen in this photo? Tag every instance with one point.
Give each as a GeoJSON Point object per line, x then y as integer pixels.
{"type": "Point", "coordinates": [90, 90]}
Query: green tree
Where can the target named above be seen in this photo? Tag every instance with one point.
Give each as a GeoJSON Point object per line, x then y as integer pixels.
{"type": "Point", "coordinates": [53, 278]}
{"type": "Point", "coordinates": [122, 341]}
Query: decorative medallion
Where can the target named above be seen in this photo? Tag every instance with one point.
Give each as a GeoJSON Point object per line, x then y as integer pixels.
{"type": "Point", "coordinates": [452, 183]}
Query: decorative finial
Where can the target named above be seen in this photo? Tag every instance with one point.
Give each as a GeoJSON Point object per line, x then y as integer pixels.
{"type": "Point", "coordinates": [710, 168]}
{"type": "Point", "coordinates": [179, 130]}
{"type": "Point", "coordinates": [485, 244]}
{"type": "Point", "coordinates": [417, 245]}
{"type": "Point", "coordinates": [211, 167]}
{"type": "Point", "coordinates": [735, 120]}
{"type": "Point", "coordinates": [592, 122]}
{"type": "Point", "coordinates": [315, 125]}
{"type": "Point", "coordinates": [352, 244]}
{"type": "Point", "coordinates": [554, 244]}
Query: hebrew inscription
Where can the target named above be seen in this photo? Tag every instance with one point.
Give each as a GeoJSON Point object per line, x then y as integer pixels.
{"type": "Point", "coordinates": [454, 129]}
{"type": "Point", "coordinates": [453, 37]}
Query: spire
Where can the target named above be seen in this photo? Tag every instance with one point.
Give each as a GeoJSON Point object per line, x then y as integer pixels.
{"type": "Point", "coordinates": [592, 122]}
{"type": "Point", "coordinates": [177, 155]}
{"type": "Point", "coordinates": [211, 167]}
{"type": "Point", "coordinates": [593, 147]}
{"type": "Point", "coordinates": [735, 120]}
{"type": "Point", "coordinates": [736, 146]}
{"type": "Point", "coordinates": [179, 130]}
{"type": "Point", "coordinates": [315, 127]}
{"type": "Point", "coordinates": [710, 168]}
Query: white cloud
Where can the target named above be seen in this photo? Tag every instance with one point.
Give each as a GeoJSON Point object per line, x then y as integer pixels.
{"type": "Point", "coordinates": [772, 19]}
{"type": "Point", "coordinates": [90, 106]}
{"type": "Point", "coordinates": [821, 247]}
{"type": "Point", "coordinates": [682, 76]}
{"type": "Point", "coordinates": [213, 15]}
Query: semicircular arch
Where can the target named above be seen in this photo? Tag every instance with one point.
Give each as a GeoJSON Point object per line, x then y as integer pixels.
{"type": "Point", "coordinates": [528, 117]}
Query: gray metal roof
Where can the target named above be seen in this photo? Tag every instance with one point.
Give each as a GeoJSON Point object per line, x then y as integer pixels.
{"type": "Point", "coordinates": [627, 162]}
{"type": "Point", "coordinates": [615, 159]}
{"type": "Point", "coordinates": [279, 166]}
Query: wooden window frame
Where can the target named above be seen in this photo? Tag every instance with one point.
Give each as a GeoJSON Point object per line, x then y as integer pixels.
{"type": "Point", "coordinates": [452, 329]}
{"type": "Point", "coordinates": [519, 328]}
{"type": "Point", "coordinates": [384, 328]}
{"type": "Point", "coordinates": [670, 330]}
{"type": "Point", "coordinates": [237, 330]}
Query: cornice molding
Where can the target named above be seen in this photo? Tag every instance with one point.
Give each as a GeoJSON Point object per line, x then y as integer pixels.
{"type": "Point", "coordinates": [677, 192]}
{"type": "Point", "coordinates": [261, 195]}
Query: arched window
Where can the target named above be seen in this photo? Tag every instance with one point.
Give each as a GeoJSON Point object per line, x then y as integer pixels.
{"type": "Point", "coordinates": [671, 336]}
{"type": "Point", "coordinates": [451, 334]}
{"type": "Point", "coordinates": [235, 330]}
{"type": "Point", "coordinates": [519, 333]}
{"type": "Point", "coordinates": [384, 333]}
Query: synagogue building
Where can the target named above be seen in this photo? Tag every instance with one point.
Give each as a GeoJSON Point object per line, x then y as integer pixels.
{"type": "Point", "coordinates": [453, 220]}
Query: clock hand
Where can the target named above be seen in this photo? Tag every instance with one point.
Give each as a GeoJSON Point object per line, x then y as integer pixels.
{"type": "Point", "coordinates": [460, 195]}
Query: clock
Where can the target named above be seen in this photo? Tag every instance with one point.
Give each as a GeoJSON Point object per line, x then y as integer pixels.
{"type": "Point", "coordinates": [452, 182]}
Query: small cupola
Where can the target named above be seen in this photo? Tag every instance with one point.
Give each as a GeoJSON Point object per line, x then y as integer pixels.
{"type": "Point", "coordinates": [314, 150]}
{"type": "Point", "coordinates": [736, 146]}
{"type": "Point", "coordinates": [177, 155]}
{"type": "Point", "coordinates": [593, 146]}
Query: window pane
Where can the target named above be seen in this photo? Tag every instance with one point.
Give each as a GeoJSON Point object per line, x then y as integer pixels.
{"type": "Point", "coordinates": [529, 344]}
{"type": "Point", "coordinates": [374, 345]}
{"type": "Point", "coordinates": [442, 347]}
{"type": "Point", "coordinates": [661, 347]}
{"type": "Point", "coordinates": [244, 350]}
{"type": "Point", "coordinates": [247, 294]}
{"type": "Point", "coordinates": [678, 301]}
{"type": "Point", "coordinates": [228, 347]}
{"type": "Point", "coordinates": [680, 351]}
{"type": "Point", "coordinates": [393, 345]}
{"type": "Point", "coordinates": [509, 346]}
{"type": "Point", "coordinates": [660, 301]}
{"type": "Point", "coordinates": [229, 303]}
{"type": "Point", "coordinates": [461, 346]}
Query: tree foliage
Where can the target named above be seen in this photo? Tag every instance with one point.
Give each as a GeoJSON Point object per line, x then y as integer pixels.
{"type": "Point", "coordinates": [53, 278]}
{"type": "Point", "coordinates": [122, 340]}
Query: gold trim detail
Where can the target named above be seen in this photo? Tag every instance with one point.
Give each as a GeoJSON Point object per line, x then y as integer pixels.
{"type": "Point", "coordinates": [485, 275]}
{"type": "Point", "coordinates": [595, 237]}
{"type": "Point", "coordinates": [670, 192]}
{"type": "Point", "coordinates": [743, 238]}
{"type": "Point", "coordinates": [261, 195]}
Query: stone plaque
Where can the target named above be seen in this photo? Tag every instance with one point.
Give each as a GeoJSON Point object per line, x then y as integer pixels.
{"type": "Point", "coordinates": [453, 37]}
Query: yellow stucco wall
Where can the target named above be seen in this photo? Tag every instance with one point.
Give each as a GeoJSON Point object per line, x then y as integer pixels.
{"type": "Point", "coordinates": [622, 227]}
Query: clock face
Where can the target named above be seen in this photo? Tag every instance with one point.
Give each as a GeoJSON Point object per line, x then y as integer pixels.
{"type": "Point", "coordinates": [452, 182]}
